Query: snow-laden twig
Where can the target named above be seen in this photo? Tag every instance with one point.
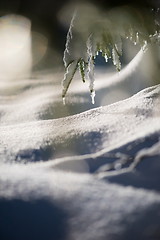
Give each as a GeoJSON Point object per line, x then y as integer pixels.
{"type": "Point", "coordinates": [104, 33]}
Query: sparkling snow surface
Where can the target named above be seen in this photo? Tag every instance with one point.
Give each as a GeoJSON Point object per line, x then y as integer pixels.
{"type": "Point", "coordinates": [72, 172]}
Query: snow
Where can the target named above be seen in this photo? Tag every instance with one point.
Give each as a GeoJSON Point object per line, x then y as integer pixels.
{"type": "Point", "coordinates": [98, 166]}
{"type": "Point", "coordinates": [84, 199]}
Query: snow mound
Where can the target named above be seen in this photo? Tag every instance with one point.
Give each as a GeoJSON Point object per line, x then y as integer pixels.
{"type": "Point", "coordinates": [77, 174]}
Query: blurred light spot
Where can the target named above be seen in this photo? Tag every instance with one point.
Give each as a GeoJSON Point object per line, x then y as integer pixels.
{"type": "Point", "coordinates": [15, 46]}
{"type": "Point", "coordinates": [39, 47]}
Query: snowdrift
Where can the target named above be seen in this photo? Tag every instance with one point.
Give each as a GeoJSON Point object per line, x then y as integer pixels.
{"type": "Point", "coordinates": [67, 172]}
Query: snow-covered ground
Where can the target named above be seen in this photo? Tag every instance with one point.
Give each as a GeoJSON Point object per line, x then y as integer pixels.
{"type": "Point", "coordinates": [79, 171]}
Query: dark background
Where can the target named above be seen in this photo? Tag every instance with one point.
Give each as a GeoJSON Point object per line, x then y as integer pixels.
{"type": "Point", "coordinates": [43, 14]}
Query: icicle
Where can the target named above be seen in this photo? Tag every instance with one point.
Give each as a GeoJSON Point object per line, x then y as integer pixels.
{"type": "Point", "coordinates": [115, 59]}
{"type": "Point", "coordinates": [118, 45]}
{"type": "Point", "coordinates": [93, 94]}
{"type": "Point", "coordinates": [91, 74]}
{"type": "Point", "coordinates": [106, 57]}
{"type": "Point", "coordinates": [91, 53]}
{"type": "Point", "coordinates": [137, 37]}
{"type": "Point", "coordinates": [67, 54]}
{"type": "Point", "coordinates": [69, 63]}
{"type": "Point", "coordinates": [144, 47]}
{"type": "Point", "coordinates": [82, 68]}
{"type": "Point", "coordinates": [64, 100]}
